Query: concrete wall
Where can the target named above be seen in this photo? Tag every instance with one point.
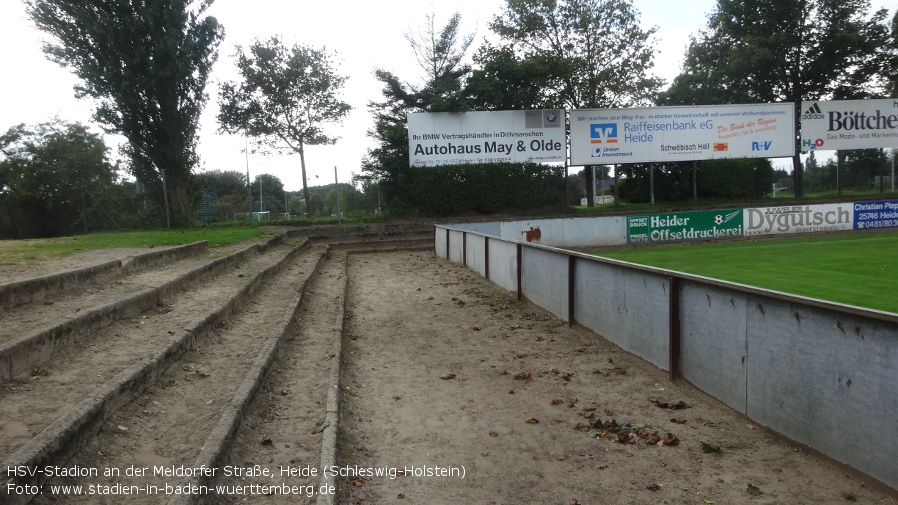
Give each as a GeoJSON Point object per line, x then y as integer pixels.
{"type": "Point", "coordinates": [820, 373]}
{"type": "Point", "coordinates": [566, 232]}
{"type": "Point", "coordinates": [628, 307]}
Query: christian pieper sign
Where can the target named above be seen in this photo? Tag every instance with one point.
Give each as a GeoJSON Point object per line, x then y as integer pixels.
{"type": "Point", "coordinates": [660, 134]}
{"type": "Point", "coordinates": [849, 124]}
{"type": "Point", "coordinates": [684, 226]}
{"type": "Point", "coordinates": [446, 138]}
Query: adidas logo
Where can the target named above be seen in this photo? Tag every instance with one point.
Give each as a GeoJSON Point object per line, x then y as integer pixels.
{"type": "Point", "coordinates": [813, 112]}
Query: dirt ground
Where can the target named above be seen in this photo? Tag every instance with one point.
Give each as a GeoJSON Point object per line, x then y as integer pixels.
{"type": "Point", "coordinates": [454, 392]}
{"type": "Point", "coordinates": [461, 394]}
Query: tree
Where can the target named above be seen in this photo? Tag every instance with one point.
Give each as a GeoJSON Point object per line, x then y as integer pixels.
{"type": "Point", "coordinates": [146, 63]}
{"type": "Point", "coordinates": [52, 179]}
{"type": "Point", "coordinates": [272, 191]}
{"type": "Point", "coordinates": [221, 183]}
{"type": "Point", "coordinates": [501, 81]}
{"type": "Point", "coordinates": [784, 51]}
{"type": "Point", "coordinates": [285, 98]}
{"type": "Point", "coordinates": [439, 53]}
{"type": "Point", "coordinates": [594, 51]}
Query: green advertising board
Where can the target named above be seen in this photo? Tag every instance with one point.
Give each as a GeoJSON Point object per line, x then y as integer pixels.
{"type": "Point", "coordinates": [684, 226]}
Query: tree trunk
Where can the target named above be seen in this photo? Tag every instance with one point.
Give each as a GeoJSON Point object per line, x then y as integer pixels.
{"type": "Point", "coordinates": [590, 186]}
{"type": "Point", "coordinates": [179, 198]}
{"type": "Point", "coordinates": [305, 184]}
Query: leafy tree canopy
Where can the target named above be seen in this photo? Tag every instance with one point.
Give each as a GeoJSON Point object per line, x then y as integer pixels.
{"type": "Point", "coordinates": [285, 99]}
{"type": "Point", "coordinates": [590, 53]}
{"type": "Point", "coordinates": [146, 64]}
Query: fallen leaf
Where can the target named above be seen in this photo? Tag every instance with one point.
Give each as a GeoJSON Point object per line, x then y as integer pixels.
{"type": "Point", "coordinates": [708, 502]}
{"type": "Point", "coordinates": [267, 441]}
{"type": "Point", "coordinates": [680, 420]}
{"type": "Point", "coordinates": [754, 490]}
{"type": "Point", "coordinates": [653, 487]}
{"type": "Point", "coordinates": [321, 428]}
{"type": "Point", "coordinates": [397, 398]}
{"type": "Point", "coordinates": [848, 495]}
{"type": "Point", "coordinates": [531, 420]}
{"type": "Point", "coordinates": [494, 434]}
{"type": "Point", "coordinates": [670, 440]}
{"type": "Point", "coordinates": [709, 448]}
{"type": "Point", "coordinates": [210, 402]}
{"type": "Point", "coordinates": [358, 482]}
{"type": "Point", "coordinates": [448, 376]}
{"type": "Point", "coordinates": [557, 401]}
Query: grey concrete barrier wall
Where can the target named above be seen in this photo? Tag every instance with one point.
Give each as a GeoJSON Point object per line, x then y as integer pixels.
{"type": "Point", "coordinates": [503, 262]}
{"type": "Point", "coordinates": [714, 341]}
{"type": "Point", "coordinates": [819, 373]}
{"type": "Point", "coordinates": [560, 232]}
{"type": "Point", "coordinates": [625, 305]}
{"type": "Point", "coordinates": [475, 253]}
{"type": "Point", "coordinates": [440, 241]}
{"type": "Point", "coordinates": [544, 276]}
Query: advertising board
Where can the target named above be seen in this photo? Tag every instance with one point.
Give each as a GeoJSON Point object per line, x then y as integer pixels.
{"type": "Point", "coordinates": [447, 138]}
{"type": "Point", "coordinates": [849, 124]}
{"type": "Point", "coordinates": [684, 226]}
{"type": "Point", "coordinates": [664, 134]}
{"type": "Point", "coordinates": [798, 219]}
{"type": "Point", "coordinates": [876, 215]}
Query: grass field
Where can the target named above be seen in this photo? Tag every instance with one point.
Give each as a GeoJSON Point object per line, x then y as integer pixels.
{"type": "Point", "coordinates": [13, 252]}
{"type": "Point", "coordinates": [856, 269]}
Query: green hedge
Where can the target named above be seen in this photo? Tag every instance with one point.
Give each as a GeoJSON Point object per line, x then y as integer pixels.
{"type": "Point", "coordinates": [481, 188]}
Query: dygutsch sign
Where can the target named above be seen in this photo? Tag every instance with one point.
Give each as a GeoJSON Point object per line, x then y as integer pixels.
{"type": "Point", "coordinates": [444, 138]}
{"type": "Point", "coordinates": [849, 124]}
{"type": "Point", "coordinates": [663, 134]}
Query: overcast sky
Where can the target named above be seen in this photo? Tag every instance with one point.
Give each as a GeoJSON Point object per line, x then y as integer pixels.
{"type": "Point", "coordinates": [365, 35]}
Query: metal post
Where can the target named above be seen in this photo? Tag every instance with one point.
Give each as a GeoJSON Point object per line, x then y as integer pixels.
{"type": "Point", "coordinates": [339, 214]}
{"type": "Point", "coordinates": [249, 186]}
{"type": "Point", "coordinates": [165, 198]}
{"type": "Point", "coordinates": [652, 183]}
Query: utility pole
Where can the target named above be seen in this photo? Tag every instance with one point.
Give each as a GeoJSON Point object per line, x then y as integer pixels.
{"type": "Point", "coordinates": [249, 190]}
{"type": "Point", "coordinates": [339, 214]}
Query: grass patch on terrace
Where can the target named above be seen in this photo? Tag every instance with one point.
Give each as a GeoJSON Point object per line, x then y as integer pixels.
{"type": "Point", "coordinates": [855, 269]}
{"type": "Point", "coordinates": [14, 252]}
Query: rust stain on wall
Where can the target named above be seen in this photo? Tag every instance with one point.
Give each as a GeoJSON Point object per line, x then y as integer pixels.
{"type": "Point", "coordinates": [533, 234]}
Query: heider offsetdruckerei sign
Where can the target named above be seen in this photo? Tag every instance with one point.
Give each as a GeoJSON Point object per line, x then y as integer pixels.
{"type": "Point", "coordinates": [448, 138]}
{"type": "Point", "coordinates": [659, 134]}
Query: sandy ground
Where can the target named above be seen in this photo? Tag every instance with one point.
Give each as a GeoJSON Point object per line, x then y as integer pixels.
{"type": "Point", "coordinates": [460, 394]}
{"type": "Point", "coordinates": [454, 392]}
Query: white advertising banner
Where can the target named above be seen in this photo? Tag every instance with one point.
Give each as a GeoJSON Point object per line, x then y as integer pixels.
{"type": "Point", "coordinates": [849, 124]}
{"type": "Point", "coordinates": [448, 138]}
{"type": "Point", "coordinates": [659, 134]}
{"type": "Point", "coordinates": [798, 219]}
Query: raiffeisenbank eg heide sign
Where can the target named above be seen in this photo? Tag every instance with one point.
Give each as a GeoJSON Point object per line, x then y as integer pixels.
{"type": "Point", "coordinates": [849, 124]}
{"type": "Point", "coordinates": [663, 134]}
{"type": "Point", "coordinates": [449, 138]}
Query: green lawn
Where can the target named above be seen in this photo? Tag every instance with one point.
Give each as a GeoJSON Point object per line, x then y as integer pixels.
{"type": "Point", "coordinates": [858, 269]}
{"type": "Point", "coordinates": [13, 252]}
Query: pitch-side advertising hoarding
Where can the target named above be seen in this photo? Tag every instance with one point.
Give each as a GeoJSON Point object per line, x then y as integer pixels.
{"type": "Point", "coordinates": [663, 134]}
{"type": "Point", "coordinates": [446, 138]}
{"type": "Point", "coordinates": [849, 124]}
{"type": "Point", "coordinates": [798, 219]}
{"type": "Point", "coordinates": [689, 226]}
